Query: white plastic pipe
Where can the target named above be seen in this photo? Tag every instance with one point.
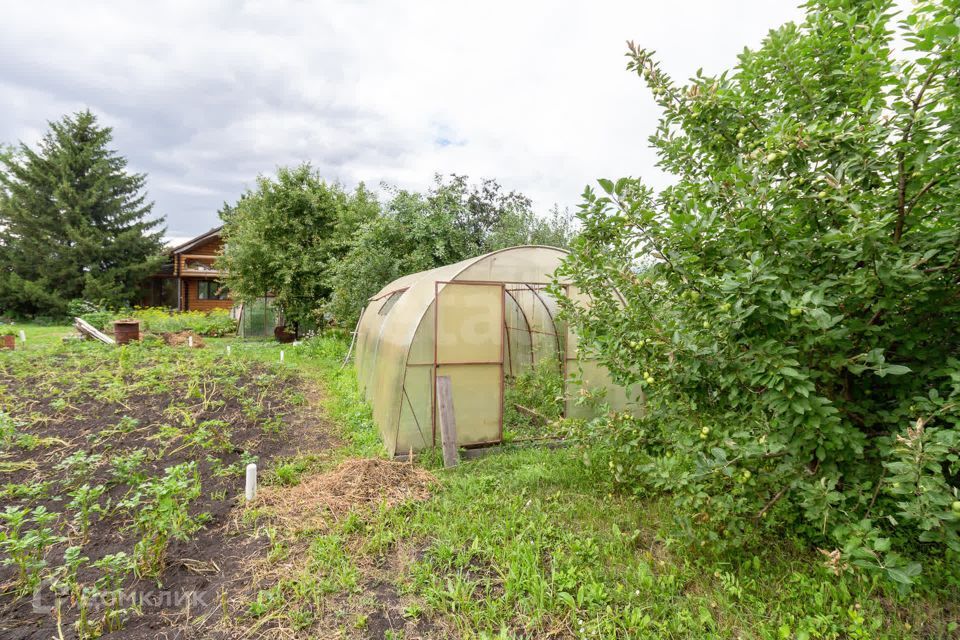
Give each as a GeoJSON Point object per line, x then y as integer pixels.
{"type": "Point", "coordinates": [23, 335]}
{"type": "Point", "coordinates": [190, 341]}
{"type": "Point", "coordinates": [281, 355]}
{"type": "Point", "coordinates": [228, 349]}
{"type": "Point", "coordinates": [251, 489]}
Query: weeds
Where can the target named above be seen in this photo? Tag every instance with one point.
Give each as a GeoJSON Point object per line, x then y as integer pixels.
{"type": "Point", "coordinates": [533, 401]}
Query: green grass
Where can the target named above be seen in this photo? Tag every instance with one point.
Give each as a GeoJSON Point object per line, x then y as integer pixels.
{"type": "Point", "coordinates": [39, 336]}
{"type": "Point", "coordinates": [531, 542]}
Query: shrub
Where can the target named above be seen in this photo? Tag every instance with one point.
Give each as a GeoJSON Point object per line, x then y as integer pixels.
{"type": "Point", "coordinates": [790, 302]}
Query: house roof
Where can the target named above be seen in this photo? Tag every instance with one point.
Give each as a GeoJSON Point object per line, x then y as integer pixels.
{"type": "Point", "coordinates": [200, 239]}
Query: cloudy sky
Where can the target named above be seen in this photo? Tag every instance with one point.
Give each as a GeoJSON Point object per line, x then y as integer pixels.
{"type": "Point", "coordinates": [203, 96]}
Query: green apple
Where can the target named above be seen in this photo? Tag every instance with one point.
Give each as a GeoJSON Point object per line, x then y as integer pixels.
{"type": "Point", "coordinates": [706, 324]}
{"type": "Point", "coordinates": [955, 506]}
{"type": "Point", "coordinates": [796, 311]}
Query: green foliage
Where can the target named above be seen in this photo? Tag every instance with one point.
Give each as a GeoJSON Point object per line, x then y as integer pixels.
{"type": "Point", "coordinates": [539, 388]}
{"type": "Point", "coordinates": [85, 502]}
{"type": "Point", "coordinates": [286, 236]}
{"type": "Point", "coordinates": [213, 323]}
{"type": "Point", "coordinates": [451, 222]}
{"type": "Point", "coordinates": [25, 537]}
{"type": "Point", "coordinates": [161, 512]}
{"type": "Point", "coordinates": [532, 540]}
{"type": "Point", "coordinates": [73, 222]}
{"type": "Point", "coordinates": [790, 303]}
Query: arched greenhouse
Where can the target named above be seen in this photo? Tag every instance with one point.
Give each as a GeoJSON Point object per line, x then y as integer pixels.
{"type": "Point", "coordinates": [480, 321]}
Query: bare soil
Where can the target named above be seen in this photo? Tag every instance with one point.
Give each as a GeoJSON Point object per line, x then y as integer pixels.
{"type": "Point", "coordinates": [202, 566]}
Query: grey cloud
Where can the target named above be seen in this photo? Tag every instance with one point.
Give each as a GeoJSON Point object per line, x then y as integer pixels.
{"type": "Point", "coordinates": [205, 96]}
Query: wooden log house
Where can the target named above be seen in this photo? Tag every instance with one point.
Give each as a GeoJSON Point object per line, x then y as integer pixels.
{"type": "Point", "coordinates": [189, 279]}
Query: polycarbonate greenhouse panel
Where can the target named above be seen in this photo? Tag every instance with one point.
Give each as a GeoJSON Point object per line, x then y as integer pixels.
{"type": "Point", "coordinates": [477, 398]}
{"type": "Point", "coordinates": [469, 324]}
{"type": "Point", "coordinates": [596, 379]}
{"type": "Point", "coordinates": [492, 296]}
{"type": "Point", "coordinates": [469, 349]}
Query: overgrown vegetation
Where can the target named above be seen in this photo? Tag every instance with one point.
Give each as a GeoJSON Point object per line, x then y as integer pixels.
{"type": "Point", "coordinates": [213, 323]}
{"type": "Point", "coordinates": [112, 457]}
{"type": "Point", "coordinates": [538, 543]}
{"type": "Point", "coordinates": [791, 301]}
{"type": "Point", "coordinates": [533, 401]}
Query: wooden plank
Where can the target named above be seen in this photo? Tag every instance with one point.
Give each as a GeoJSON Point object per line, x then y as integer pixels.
{"type": "Point", "coordinates": [531, 413]}
{"type": "Point", "coordinates": [448, 423]}
{"type": "Point", "coordinates": [89, 330]}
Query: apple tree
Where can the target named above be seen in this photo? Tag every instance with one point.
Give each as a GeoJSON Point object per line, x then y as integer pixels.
{"type": "Point", "coordinates": [791, 302]}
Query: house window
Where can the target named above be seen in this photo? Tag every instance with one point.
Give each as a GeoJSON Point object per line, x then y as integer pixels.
{"type": "Point", "coordinates": [212, 290]}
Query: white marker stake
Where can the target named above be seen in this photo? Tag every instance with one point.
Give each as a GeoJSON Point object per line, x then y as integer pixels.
{"type": "Point", "coordinates": [281, 355]}
{"type": "Point", "coordinates": [228, 349]}
{"type": "Point", "coordinates": [251, 481]}
{"type": "Point", "coordinates": [190, 341]}
{"type": "Point", "coordinates": [23, 335]}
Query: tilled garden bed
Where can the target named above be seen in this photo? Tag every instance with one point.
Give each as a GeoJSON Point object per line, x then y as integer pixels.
{"type": "Point", "coordinates": [119, 470]}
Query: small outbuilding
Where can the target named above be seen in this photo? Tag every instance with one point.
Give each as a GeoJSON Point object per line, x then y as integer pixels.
{"type": "Point", "coordinates": [477, 321]}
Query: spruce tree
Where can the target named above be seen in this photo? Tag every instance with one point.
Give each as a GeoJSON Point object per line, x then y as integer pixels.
{"type": "Point", "coordinates": [74, 223]}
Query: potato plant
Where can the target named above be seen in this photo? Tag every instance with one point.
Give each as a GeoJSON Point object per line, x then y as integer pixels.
{"type": "Point", "coordinates": [110, 456]}
{"type": "Point", "coordinates": [161, 512]}
{"type": "Point", "coordinates": [26, 537]}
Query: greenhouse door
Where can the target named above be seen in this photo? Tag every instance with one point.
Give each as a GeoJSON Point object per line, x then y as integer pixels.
{"type": "Point", "coordinates": [468, 348]}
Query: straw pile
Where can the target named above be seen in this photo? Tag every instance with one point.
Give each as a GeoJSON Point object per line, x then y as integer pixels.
{"type": "Point", "coordinates": [357, 484]}
{"type": "Point", "coordinates": [183, 338]}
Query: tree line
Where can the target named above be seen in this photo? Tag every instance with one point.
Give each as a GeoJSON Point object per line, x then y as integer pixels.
{"type": "Point", "coordinates": [75, 224]}
{"type": "Point", "coordinates": [322, 250]}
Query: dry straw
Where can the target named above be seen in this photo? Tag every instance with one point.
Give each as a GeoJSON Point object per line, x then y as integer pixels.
{"type": "Point", "coordinates": [356, 484]}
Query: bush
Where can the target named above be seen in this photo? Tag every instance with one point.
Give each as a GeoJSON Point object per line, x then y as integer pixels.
{"type": "Point", "coordinates": [790, 303]}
